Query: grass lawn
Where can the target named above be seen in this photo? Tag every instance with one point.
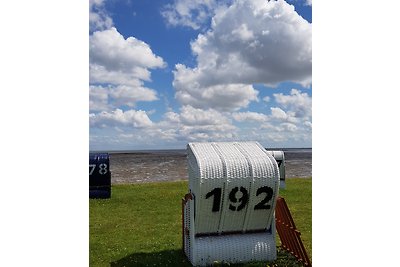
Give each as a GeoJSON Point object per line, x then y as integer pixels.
{"type": "Point", "coordinates": [140, 225]}
{"type": "Point", "coordinates": [298, 198]}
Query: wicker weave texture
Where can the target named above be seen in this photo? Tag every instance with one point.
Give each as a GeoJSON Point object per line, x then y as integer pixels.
{"type": "Point", "coordinates": [188, 239]}
{"type": "Point", "coordinates": [242, 172]}
{"type": "Point", "coordinates": [237, 248]}
{"type": "Point", "coordinates": [280, 158]}
{"type": "Point", "coordinates": [204, 162]}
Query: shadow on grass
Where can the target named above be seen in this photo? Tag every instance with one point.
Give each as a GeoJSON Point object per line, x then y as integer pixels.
{"type": "Point", "coordinates": [177, 258]}
{"type": "Point", "coordinates": [160, 258]}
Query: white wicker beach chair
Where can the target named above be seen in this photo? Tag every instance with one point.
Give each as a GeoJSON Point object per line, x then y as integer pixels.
{"type": "Point", "coordinates": [279, 156]}
{"type": "Point", "coordinates": [228, 215]}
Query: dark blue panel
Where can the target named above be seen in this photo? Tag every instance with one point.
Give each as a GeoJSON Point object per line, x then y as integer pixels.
{"type": "Point", "coordinates": [99, 175]}
{"type": "Point", "coordinates": [96, 193]}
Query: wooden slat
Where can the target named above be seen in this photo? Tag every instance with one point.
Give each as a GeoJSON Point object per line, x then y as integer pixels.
{"type": "Point", "coordinates": [289, 235]}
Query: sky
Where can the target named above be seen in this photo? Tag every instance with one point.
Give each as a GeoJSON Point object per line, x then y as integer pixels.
{"type": "Point", "coordinates": [165, 73]}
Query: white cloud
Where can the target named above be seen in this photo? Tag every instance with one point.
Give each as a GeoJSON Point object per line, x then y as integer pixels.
{"type": "Point", "coordinates": [119, 118]}
{"type": "Point", "coordinates": [222, 97]}
{"type": "Point", "coordinates": [297, 102]}
{"type": "Point", "coordinates": [172, 117]}
{"type": "Point", "coordinates": [123, 65]}
{"type": "Point", "coordinates": [308, 124]}
{"type": "Point", "coordinates": [287, 126]}
{"type": "Point", "coordinates": [243, 33]}
{"type": "Point", "coordinates": [98, 17]}
{"type": "Point", "coordinates": [98, 98]}
{"type": "Point", "coordinates": [157, 134]}
{"type": "Point", "coordinates": [192, 116]}
{"type": "Point", "coordinates": [119, 61]}
{"type": "Point", "coordinates": [197, 124]}
{"type": "Point", "coordinates": [308, 3]}
{"type": "Point", "coordinates": [250, 42]}
{"type": "Point", "coordinates": [127, 95]}
{"type": "Point", "coordinates": [266, 99]}
{"type": "Point", "coordinates": [274, 44]}
{"type": "Point", "coordinates": [290, 124]}
{"type": "Point", "coordinates": [281, 115]}
{"type": "Point", "coordinates": [100, 74]}
{"type": "Point", "coordinates": [103, 98]}
{"type": "Point", "coordinates": [112, 51]}
{"type": "Point", "coordinates": [190, 13]}
{"type": "Point", "coordinates": [250, 116]}
{"type": "Point", "coordinates": [279, 127]}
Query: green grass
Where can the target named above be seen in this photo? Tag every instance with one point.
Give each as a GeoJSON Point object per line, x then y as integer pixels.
{"type": "Point", "coordinates": [140, 225]}
{"type": "Point", "coordinates": [298, 198]}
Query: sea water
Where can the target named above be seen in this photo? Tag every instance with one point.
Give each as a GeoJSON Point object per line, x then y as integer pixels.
{"type": "Point", "coordinates": [171, 165]}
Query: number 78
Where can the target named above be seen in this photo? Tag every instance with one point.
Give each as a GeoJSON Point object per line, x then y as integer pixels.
{"type": "Point", "coordinates": [102, 168]}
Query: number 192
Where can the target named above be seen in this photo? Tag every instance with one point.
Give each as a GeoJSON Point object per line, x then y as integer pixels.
{"type": "Point", "coordinates": [238, 204]}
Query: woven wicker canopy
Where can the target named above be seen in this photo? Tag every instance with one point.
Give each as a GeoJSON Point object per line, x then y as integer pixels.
{"type": "Point", "coordinates": [234, 187]}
